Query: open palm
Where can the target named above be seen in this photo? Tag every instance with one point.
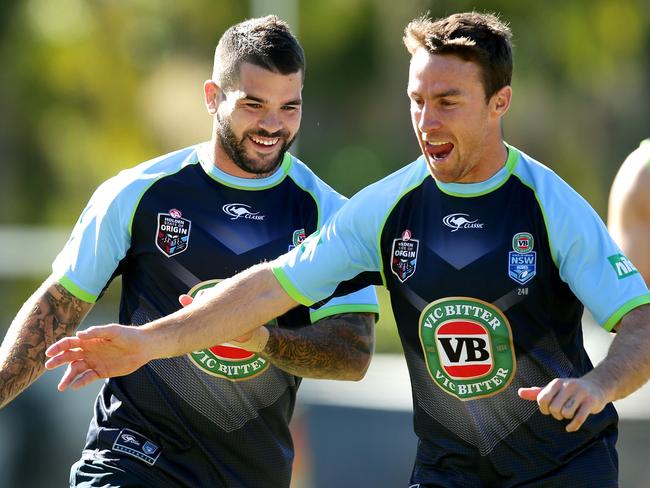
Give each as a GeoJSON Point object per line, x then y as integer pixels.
{"type": "Point", "coordinates": [98, 352]}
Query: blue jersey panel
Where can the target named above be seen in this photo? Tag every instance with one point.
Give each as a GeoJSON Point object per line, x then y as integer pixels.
{"type": "Point", "coordinates": [486, 283]}
{"type": "Point", "coordinates": [179, 225]}
{"type": "Point", "coordinates": [102, 235]}
{"type": "Point", "coordinates": [591, 263]}
{"type": "Point", "coordinates": [348, 244]}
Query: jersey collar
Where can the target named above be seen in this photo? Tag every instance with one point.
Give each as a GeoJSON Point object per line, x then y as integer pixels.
{"type": "Point", "coordinates": [483, 187]}
{"type": "Point", "coordinates": [203, 153]}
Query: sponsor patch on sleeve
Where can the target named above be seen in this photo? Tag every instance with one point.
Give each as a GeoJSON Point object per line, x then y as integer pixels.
{"type": "Point", "coordinates": [130, 442]}
{"type": "Point", "coordinates": [622, 266]}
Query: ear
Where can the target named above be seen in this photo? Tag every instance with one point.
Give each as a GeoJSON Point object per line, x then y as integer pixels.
{"type": "Point", "coordinates": [212, 96]}
{"type": "Point", "coordinates": [500, 101]}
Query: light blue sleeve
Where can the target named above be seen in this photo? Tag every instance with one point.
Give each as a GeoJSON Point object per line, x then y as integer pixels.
{"type": "Point", "coordinates": [99, 240]}
{"type": "Point", "coordinates": [102, 235]}
{"type": "Point", "coordinates": [588, 259]}
{"type": "Point", "coordinates": [348, 244]}
{"type": "Point", "coordinates": [329, 202]}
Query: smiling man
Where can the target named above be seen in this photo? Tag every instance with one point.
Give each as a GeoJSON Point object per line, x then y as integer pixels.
{"type": "Point", "coordinates": [488, 256]}
{"type": "Point", "coordinates": [217, 416]}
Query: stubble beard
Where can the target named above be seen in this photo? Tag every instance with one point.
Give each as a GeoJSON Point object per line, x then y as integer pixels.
{"type": "Point", "coordinates": [234, 148]}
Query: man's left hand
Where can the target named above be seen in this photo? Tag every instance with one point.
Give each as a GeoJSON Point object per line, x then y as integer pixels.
{"type": "Point", "coordinates": [567, 398]}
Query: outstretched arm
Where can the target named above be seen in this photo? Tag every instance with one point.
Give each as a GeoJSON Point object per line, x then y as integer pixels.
{"type": "Point", "coordinates": [624, 370]}
{"type": "Point", "coordinates": [338, 347]}
{"type": "Point", "coordinates": [48, 315]}
{"type": "Point", "coordinates": [233, 308]}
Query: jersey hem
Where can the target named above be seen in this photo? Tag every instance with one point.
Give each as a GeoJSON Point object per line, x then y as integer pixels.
{"type": "Point", "coordinates": [81, 294]}
{"type": "Point", "coordinates": [630, 305]}
{"type": "Point", "coordinates": [290, 288]}
{"type": "Point", "coordinates": [348, 308]}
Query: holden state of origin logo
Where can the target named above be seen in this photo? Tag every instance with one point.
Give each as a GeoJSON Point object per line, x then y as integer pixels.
{"type": "Point", "coordinates": [227, 360]}
{"type": "Point", "coordinates": [467, 345]}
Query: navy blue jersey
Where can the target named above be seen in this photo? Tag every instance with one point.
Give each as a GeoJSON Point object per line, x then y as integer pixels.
{"type": "Point", "coordinates": [219, 416]}
{"type": "Point", "coordinates": [487, 283]}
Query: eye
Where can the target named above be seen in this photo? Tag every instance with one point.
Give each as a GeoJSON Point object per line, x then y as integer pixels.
{"type": "Point", "coordinates": [417, 101]}
{"type": "Point", "coordinates": [447, 103]}
{"type": "Point", "coordinates": [290, 108]}
{"type": "Point", "coordinates": [254, 105]}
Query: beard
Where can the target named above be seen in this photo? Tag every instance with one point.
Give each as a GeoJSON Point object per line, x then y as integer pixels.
{"type": "Point", "coordinates": [235, 150]}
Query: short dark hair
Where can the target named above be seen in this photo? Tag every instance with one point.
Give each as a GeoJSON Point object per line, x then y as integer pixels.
{"type": "Point", "coordinates": [473, 36]}
{"type": "Point", "coordinates": [266, 42]}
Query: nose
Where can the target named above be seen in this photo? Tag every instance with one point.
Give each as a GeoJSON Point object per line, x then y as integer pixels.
{"type": "Point", "coordinates": [429, 119]}
{"type": "Point", "coordinates": [270, 122]}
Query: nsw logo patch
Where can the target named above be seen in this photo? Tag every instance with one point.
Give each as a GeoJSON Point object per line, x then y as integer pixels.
{"type": "Point", "coordinates": [522, 260]}
{"type": "Point", "coordinates": [404, 256]}
{"type": "Point", "coordinates": [467, 345]}
{"type": "Point", "coordinates": [226, 360]}
{"type": "Point", "coordinates": [172, 233]}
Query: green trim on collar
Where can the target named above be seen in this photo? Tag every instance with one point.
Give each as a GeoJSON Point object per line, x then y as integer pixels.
{"type": "Point", "coordinates": [468, 190]}
{"type": "Point", "coordinates": [252, 184]}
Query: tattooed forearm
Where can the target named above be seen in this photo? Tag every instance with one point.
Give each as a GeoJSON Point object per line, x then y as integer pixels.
{"type": "Point", "coordinates": [337, 347]}
{"type": "Point", "coordinates": [50, 314]}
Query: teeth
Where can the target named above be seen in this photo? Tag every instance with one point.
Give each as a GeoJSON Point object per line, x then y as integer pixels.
{"type": "Point", "coordinates": [265, 142]}
{"type": "Point", "coordinates": [437, 143]}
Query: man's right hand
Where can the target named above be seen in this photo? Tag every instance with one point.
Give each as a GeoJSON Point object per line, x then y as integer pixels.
{"type": "Point", "coordinates": [98, 352]}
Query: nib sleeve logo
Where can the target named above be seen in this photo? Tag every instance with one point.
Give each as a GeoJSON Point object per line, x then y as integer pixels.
{"type": "Point", "coordinates": [467, 345]}
{"type": "Point", "coordinates": [226, 360]}
{"type": "Point", "coordinates": [622, 266]}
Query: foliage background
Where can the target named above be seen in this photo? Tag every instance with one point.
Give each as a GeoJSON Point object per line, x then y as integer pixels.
{"type": "Point", "coordinates": [89, 87]}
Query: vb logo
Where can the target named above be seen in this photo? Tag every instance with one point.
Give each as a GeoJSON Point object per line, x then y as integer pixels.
{"type": "Point", "coordinates": [464, 349]}
{"type": "Point", "coordinates": [467, 345]}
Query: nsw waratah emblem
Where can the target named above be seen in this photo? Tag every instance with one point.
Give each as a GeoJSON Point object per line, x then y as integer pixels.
{"type": "Point", "coordinates": [522, 260]}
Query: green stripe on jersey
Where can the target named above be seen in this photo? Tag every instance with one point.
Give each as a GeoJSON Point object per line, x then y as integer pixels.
{"type": "Point", "coordinates": [325, 311]}
{"type": "Point", "coordinates": [290, 289]}
{"type": "Point", "coordinates": [66, 283]}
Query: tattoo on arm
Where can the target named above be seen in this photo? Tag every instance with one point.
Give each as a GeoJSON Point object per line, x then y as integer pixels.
{"type": "Point", "coordinates": [50, 314]}
{"type": "Point", "coordinates": [338, 347]}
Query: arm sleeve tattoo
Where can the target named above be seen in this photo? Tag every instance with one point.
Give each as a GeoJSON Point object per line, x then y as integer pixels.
{"type": "Point", "coordinates": [50, 314]}
{"type": "Point", "coordinates": [338, 347]}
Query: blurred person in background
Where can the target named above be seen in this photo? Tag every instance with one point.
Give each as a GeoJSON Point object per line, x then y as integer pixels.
{"type": "Point", "coordinates": [488, 256]}
{"type": "Point", "coordinates": [629, 208]}
{"type": "Point", "coordinates": [174, 226]}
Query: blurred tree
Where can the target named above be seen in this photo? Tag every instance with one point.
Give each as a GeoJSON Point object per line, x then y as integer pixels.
{"type": "Point", "coordinates": [92, 87]}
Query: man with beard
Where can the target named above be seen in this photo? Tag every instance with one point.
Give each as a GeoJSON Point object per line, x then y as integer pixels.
{"type": "Point", "coordinates": [488, 256]}
{"type": "Point", "coordinates": [177, 225]}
